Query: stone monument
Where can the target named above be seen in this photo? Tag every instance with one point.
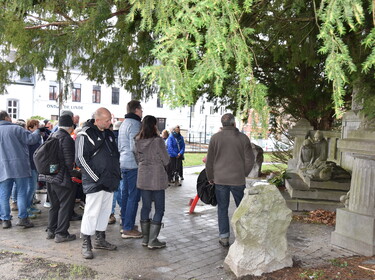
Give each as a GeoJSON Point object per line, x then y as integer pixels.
{"type": "Point", "coordinates": [260, 224]}
{"type": "Point", "coordinates": [258, 161]}
{"type": "Point", "coordinates": [314, 179]}
{"type": "Point", "coordinates": [355, 225]}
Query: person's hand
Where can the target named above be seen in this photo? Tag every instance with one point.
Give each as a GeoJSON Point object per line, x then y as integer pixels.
{"type": "Point", "coordinates": [211, 182]}
{"type": "Point", "coordinates": [178, 156]}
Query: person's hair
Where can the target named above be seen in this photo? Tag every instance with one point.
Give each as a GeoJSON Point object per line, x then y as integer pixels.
{"type": "Point", "coordinates": [165, 133]}
{"type": "Point", "coordinates": [3, 115]}
{"type": "Point", "coordinates": [148, 129]}
{"type": "Point", "coordinates": [133, 105]}
{"type": "Point", "coordinates": [31, 124]}
{"type": "Point", "coordinates": [228, 120]}
{"type": "Point", "coordinates": [21, 123]}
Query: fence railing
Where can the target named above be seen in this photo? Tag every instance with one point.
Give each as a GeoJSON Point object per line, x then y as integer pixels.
{"type": "Point", "coordinates": [197, 142]}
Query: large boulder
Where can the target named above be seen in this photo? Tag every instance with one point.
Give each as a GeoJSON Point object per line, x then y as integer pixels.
{"type": "Point", "coordinates": [260, 224]}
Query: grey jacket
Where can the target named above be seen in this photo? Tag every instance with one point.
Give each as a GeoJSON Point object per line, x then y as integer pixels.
{"type": "Point", "coordinates": [14, 150]}
{"type": "Point", "coordinates": [128, 130]}
{"type": "Point", "coordinates": [229, 158]}
{"type": "Point", "coordinates": [152, 159]}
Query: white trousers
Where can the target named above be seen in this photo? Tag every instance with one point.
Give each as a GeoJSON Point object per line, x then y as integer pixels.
{"type": "Point", "coordinates": [98, 208]}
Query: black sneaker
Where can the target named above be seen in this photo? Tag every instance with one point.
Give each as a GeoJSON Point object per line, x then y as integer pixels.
{"type": "Point", "coordinates": [25, 223]}
{"type": "Point", "coordinates": [60, 238]}
{"type": "Point", "coordinates": [7, 224]}
{"type": "Point", "coordinates": [50, 234]}
{"type": "Point", "coordinates": [224, 241]}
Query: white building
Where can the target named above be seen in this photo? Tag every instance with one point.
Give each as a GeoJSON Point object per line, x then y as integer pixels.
{"type": "Point", "coordinates": [37, 97]}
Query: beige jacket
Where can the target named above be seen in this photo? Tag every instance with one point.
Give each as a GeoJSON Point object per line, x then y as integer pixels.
{"type": "Point", "coordinates": [152, 158]}
{"type": "Point", "coordinates": [229, 158]}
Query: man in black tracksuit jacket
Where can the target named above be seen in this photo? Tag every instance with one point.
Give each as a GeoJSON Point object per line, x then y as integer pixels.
{"type": "Point", "coordinates": [98, 157]}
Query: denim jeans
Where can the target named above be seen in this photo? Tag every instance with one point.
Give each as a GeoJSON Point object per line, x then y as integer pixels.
{"type": "Point", "coordinates": [222, 193]}
{"type": "Point", "coordinates": [33, 181]}
{"type": "Point", "coordinates": [5, 193]}
{"type": "Point", "coordinates": [130, 197]}
{"type": "Point", "coordinates": [159, 198]}
{"type": "Point", "coordinates": [14, 193]}
{"type": "Point", "coordinates": [117, 197]}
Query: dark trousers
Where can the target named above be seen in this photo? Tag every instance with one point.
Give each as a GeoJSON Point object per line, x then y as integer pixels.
{"type": "Point", "coordinates": [62, 205]}
{"type": "Point", "coordinates": [175, 164]}
{"type": "Point", "coordinates": [158, 197]}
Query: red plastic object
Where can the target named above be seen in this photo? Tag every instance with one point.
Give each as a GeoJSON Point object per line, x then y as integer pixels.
{"type": "Point", "coordinates": [192, 207]}
{"type": "Point", "coordinates": [76, 180]}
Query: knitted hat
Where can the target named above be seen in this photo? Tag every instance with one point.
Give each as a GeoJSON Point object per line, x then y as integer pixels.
{"type": "Point", "coordinates": [66, 121]}
{"type": "Point", "coordinates": [66, 112]}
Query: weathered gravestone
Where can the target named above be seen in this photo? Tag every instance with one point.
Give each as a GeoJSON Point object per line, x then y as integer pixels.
{"type": "Point", "coordinates": [314, 178]}
{"type": "Point", "coordinates": [258, 161]}
{"type": "Point", "coordinates": [355, 224]}
{"type": "Point", "coordinates": [260, 224]}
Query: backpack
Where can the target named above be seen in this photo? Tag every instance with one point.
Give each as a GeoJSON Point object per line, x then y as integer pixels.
{"type": "Point", "coordinates": [46, 157]}
{"type": "Point", "coordinates": [205, 190]}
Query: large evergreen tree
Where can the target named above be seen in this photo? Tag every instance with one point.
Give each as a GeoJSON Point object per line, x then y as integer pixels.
{"type": "Point", "coordinates": [189, 48]}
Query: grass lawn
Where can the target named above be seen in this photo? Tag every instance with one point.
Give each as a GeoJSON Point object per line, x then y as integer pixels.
{"type": "Point", "coordinates": [194, 159]}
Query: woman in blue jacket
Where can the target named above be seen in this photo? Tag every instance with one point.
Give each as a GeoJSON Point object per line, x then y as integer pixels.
{"type": "Point", "coordinates": [176, 150]}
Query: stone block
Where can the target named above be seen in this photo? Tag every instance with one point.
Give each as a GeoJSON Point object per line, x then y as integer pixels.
{"type": "Point", "coordinates": [311, 205]}
{"type": "Point", "coordinates": [317, 194]}
{"type": "Point", "coordinates": [355, 232]}
{"type": "Point", "coordinates": [260, 224]}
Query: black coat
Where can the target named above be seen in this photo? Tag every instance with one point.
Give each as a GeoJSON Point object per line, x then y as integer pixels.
{"type": "Point", "coordinates": [98, 157]}
{"type": "Point", "coordinates": [66, 154]}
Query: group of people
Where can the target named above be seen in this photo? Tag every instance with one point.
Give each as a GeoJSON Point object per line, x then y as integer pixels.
{"type": "Point", "coordinates": [132, 162]}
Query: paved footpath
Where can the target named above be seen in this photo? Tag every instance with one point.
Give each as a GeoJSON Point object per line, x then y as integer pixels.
{"type": "Point", "coordinates": [192, 251]}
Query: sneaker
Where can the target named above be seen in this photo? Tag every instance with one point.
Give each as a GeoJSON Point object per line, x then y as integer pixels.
{"type": "Point", "coordinates": [41, 190]}
{"type": "Point", "coordinates": [47, 204]}
{"type": "Point", "coordinates": [31, 215]}
{"type": "Point", "coordinates": [112, 219]}
{"type": "Point", "coordinates": [13, 206]}
{"type": "Point", "coordinates": [34, 210]}
{"type": "Point", "coordinates": [7, 224]}
{"type": "Point", "coordinates": [36, 201]}
{"type": "Point", "coordinates": [135, 228]}
{"type": "Point", "coordinates": [25, 223]}
{"type": "Point", "coordinates": [82, 205]}
{"type": "Point", "coordinates": [127, 234]}
{"type": "Point", "coordinates": [224, 241]}
{"type": "Point", "coordinates": [59, 238]}
{"type": "Point", "coordinates": [50, 234]}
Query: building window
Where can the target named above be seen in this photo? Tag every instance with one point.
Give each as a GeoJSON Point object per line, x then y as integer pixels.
{"type": "Point", "coordinates": [12, 108]}
{"type": "Point", "coordinates": [96, 94]}
{"type": "Point", "coordinates": [192, 110]}
{"type": "Point", "coordinates": [222, 110]}
{"type": "Point", "coordinates": [159, 102]}
{"type": "Point", "coordinates": [76, 94]}
{"type": "Point", "coordinates": [115, 96]}
{"type": "Point", "coordinates": [201, 109]}
{"type": "Point", "coordinates": [161, 124]}
{"type": "Point", "coordinates": [212, 110]}
{"type": "Point", "coordinates": [53, 91]}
